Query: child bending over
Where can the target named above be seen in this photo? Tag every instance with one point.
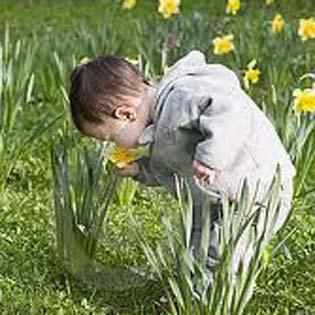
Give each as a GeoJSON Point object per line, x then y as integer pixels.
{"type": "Point", "coordinates": [199, 124]}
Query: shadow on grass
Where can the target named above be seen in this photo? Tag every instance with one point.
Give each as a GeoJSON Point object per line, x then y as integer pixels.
{"type": "Point", "coordinates": [118, 289]}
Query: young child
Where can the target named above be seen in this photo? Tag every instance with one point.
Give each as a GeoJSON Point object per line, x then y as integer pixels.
{"type": "Point", "coordinates": [199, 123]}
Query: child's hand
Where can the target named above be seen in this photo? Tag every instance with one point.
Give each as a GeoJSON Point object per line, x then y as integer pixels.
{"type": "Point", "coordinates": [205, 174]}
{"type": "Point", "coordinates": [130, 170]}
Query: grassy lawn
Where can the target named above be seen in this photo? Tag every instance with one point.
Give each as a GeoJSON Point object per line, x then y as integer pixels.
{"type": "Point", "coordinates": [60, 33]}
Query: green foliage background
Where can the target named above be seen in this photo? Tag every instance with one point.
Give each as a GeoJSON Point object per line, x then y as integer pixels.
{"type": "Point", "coordinates": [31, 281]}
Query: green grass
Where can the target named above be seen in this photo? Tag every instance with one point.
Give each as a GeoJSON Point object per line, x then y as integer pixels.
{"type": "Point", "coordinates": [31, 278]}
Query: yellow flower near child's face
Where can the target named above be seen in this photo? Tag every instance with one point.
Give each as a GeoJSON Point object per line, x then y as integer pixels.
{"type": "Point", "coordinates": [277, 24]}
{"type": "Point", "coordinates": [121, 156]}
{"type": "Point", "coordinates": [269, 2]}
{"type": "Point", "coordinates": [251, 75]}
{"type": "Point", "coordinates": [233, 6]}
{"type": "Point", "coordinates": [304, 100]}
{"type": "Point", "coordinates": [307, 29]}
{"type": "Point", "coordinates": [168, 7]}
{"type": "Point", "coordinates": [223, 45]}
{"type": "Point", "coordinates": [129, 4]}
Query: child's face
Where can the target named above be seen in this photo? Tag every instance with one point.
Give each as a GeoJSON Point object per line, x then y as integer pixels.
{"type": "Point", "coordinates": [123, 129]}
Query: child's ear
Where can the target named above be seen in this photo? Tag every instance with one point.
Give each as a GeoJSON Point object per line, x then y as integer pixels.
{"type": "Point", "coordinates": [125, 112]}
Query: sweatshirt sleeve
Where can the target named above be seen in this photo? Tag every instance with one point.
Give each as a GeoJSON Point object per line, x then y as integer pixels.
{"type": "Point", "coordinates": [146, 174]}
{"type": "Point", "coordinates": [224, 123]}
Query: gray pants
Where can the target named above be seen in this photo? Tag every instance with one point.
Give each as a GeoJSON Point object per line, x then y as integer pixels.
{"type": "Point", "coordinates": [244, 249]}
{"type": "Point", "coordinates": [195, 239]}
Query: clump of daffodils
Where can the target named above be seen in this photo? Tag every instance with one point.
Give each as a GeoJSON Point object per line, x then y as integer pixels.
{"type": "Point", "coordinates": [233, 6]}
{"type": "Point", "coordinates": [277, 24]}
{"type": "Point", "coordinates": [307, 29]}
{"type": "Point", "coordinates": [269, 2]}
{"type": "Point", "coordinates": [129, 4]}
{"type": "Point", "coordinates": [169, 7]}
{"type": "Point", "coordinates": [251, 75]}
{"type": "Point", "coordinates": [223, 45]}
{"type": "Point", "coordinates": [304, 100]}
{"type": "Point", "coordinates": [121, 156]}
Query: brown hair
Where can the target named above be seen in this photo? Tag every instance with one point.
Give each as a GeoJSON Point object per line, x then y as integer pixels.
{"type": "Point", "coordinates": [99, 86]}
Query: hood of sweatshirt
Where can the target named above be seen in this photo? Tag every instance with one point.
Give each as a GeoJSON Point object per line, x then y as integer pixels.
{"type": "Point", "coordinates": [193, 63]}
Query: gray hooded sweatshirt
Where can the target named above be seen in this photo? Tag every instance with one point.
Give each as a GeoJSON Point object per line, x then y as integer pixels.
{"type": "Point", "coordinates": [202, 113]}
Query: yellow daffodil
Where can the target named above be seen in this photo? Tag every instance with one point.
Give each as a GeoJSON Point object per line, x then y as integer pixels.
{"type": "Point", "coordinates": [233, 6]}
{"type": "Point", "coordinates": [269, 2]}
{"type": "Point", "coordinates": [83, 61]}
{"type": "Point", "coordinates": [129, 4]}
{"type": "Point", "coordinates": [165, 69]}
{"type": "Point", "coordinates": [223, 45]}
{"type": "Point", "coordinates": [168, 7]}
{"type": "Point", "coordinates": [122, 156]}
{"type": "Point", "coordinates": [251, 75]}
{"type": "Point", "coordinates": [131, 60]}
{"type": "Point", "coordinates": [307, 28]}
{"type": "Point", "coordinates": [304, 100]}
{"type": "Point", "coordinates": [277, 24]}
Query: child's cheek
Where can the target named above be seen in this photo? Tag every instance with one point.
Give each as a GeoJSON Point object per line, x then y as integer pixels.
{"type": "Point", "coordinates": [126, 138]}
